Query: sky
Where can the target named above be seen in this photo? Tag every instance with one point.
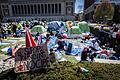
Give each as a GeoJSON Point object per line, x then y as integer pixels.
{"type": "Point", "coordinates": [79, 5]}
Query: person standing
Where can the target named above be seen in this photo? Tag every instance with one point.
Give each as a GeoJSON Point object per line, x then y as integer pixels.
{"type": "Point", "coordinates": [14, 28]}
{"type": "Point", "coordinates": [39, 39]}
{"type": "Point", "coordinates": [84, 54]}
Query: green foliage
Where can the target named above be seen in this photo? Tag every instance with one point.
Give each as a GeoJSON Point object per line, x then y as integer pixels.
{"type": "Point", "coordinates": [95, 30]}
{"type": "Point", "coordinates": [104, 11]}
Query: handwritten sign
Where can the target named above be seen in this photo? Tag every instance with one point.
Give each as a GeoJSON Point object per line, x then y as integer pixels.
{"type": "Point", "coordinates": [32, 58]}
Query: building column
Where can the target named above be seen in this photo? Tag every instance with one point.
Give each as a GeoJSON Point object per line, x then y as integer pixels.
{"type": "Point", "coordinates": [10, 10]}
{"type": "Point", "coordinates": [63, 9]}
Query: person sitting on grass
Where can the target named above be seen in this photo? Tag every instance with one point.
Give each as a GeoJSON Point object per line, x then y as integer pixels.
{"type": "Point", "coordinates": [84, 54]}
{"type": "Point", "coordinates": [52, 56]}
{"type": "Point", "coordinates": [9, 51]}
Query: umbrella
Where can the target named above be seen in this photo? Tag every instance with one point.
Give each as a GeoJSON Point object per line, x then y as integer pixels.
{"type": "Point", "coordinates": [38, 28]}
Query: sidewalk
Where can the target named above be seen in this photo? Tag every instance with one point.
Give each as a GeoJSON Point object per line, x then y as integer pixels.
{"type": "Point", "coordinates": [107, 61]}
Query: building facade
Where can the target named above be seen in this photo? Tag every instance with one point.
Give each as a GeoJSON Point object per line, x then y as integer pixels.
{"type": "Point", "coordinates": [89, 10]}
{"type": "Point", "coordinates": [37, 9]}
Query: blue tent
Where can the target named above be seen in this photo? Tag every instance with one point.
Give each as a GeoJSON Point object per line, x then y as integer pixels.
{"type": "Point", "coordinates": [55, 25]}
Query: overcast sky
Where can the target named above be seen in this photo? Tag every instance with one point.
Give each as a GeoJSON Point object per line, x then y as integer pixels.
{"type": "Point", "coordinates": [79, 5]}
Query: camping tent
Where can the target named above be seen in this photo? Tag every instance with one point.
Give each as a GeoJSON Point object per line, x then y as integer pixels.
{"type": "Point", "coordinates": [55, 25]}
{"type": "Point", "coordinates": [38, 28]}
{"type": "Point", "coordinates": [75, 30]}
{"type": "Point", "coordinates": [84, 26]}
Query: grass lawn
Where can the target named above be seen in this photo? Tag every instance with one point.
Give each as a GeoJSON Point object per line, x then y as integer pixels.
{"type": "Point", "coordinates": [69, 71]}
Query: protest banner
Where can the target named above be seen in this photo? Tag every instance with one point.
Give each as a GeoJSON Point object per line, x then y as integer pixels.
{"type": "Point", "coordinates": [31, 58]}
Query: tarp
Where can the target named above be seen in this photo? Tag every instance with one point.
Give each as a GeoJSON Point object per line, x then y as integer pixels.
{"type": "Point", "coordinates": [38, 28]}
{"type": "Point", "coordinates": [84, 27]}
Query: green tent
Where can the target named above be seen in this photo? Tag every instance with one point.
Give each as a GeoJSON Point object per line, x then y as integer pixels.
{"type": "Point", "coordinates": [38, 28]}
{"type": "Point", "coordinates": [75, 30]}
{"type": "Point", "coordinates": [84, 27]}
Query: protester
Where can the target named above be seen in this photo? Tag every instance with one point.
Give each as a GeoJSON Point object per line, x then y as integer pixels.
{"type": "Point", "coordinates": [60, 45]}
{"type": "Point", "coordinates": [14, 28]}
{"type": "Point", "coordinates": [101, 35]}
{"type": "Point", "coordinates": [9, 51]}
{"type": "Point", "coordinates": [84, 54]}
{"type": "Point", "coordinates": [92, 56]}
{"type": "Point", "coordinates": [39, 39]}
{"type": "Point", "coordinates": [52, 56]}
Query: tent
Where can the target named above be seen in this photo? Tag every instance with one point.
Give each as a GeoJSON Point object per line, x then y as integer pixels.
{"type": "Point", "coordinates": [75, 30]}
{"type": "Point", "coordinates": [55, 25]}
{"type": "Point", "coordinates": [38, 28]}
{"type": "Point", "coordinates": [84, 26]}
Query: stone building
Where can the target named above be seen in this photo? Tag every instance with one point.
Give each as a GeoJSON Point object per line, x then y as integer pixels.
{"type": "Point", "coordinates": [37, 9]}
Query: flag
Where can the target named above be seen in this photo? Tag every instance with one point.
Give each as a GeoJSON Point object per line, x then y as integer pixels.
{"type": "Point", "coordinates": [29, 40]}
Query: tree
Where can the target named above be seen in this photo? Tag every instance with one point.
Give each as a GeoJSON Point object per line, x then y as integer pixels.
{"type": "Point", "coordinates": [104, 11]}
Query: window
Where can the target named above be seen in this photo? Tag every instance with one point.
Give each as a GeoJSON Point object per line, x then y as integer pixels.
{"type": "Point", "coordinates": [45, 8]}
{"type": "Point", "coordinates": [28, 7]}
{"type": "Point", "coordinates": [25, 8]}
{"type": "Point", "coordinates": [42, 10]}
{"type": "Point", "coordinates": [31, 9]}
{"type": "Point", "coordinates": [16, 10]}
{"type": "Point", "coordinates": [59, 8]}
{"type": "Point", "coordinates": [13, 9]}
{"type": "Point", "coordinates": [38, 8]}
{"type": "Point", "coordinates": [22, 9]}
{"type": "Point", "coordinates": [35, 8]}
{"type": "Point", "coordinates": [52, 8]}
{"type": "Point", "coordinates": [56, 10]}
{"type": "Point", "coordinates": [49, 8]}
{"type": "Point", "coordinates": [19, 12]}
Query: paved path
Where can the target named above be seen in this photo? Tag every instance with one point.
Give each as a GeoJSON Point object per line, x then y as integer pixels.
{"type": "Point", "coordinates": [102, 60]}
{"type": "Point", "coordinates": [107, 61]}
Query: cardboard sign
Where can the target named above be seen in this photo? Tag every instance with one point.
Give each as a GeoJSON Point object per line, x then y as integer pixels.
{"type": "Point", "coordinates": [31, 58]}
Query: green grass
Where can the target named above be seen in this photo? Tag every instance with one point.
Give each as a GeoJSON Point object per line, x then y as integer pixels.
{"type": "Point", "coordinates": [70, 58]}
{"type": "Point", "coordinates": [69, 71]}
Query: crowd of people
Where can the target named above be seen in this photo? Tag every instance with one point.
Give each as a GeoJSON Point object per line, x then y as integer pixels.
{"type": "Point", "coordinates": [109, 39]}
